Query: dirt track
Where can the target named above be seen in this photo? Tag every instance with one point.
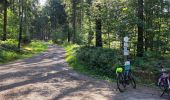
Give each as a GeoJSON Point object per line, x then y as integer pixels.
{"type": "Point", "coordinates": [47, 77]}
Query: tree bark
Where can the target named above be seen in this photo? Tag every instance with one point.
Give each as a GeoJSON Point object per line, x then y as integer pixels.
{"type": "Point", "coordinates": [5, 21]}
{"type": "Point", "coordinates": [140, 48]}
{"type": "Point", "coordinates": [90, 33]}
{"type": "Point", "coordinates": [21, 22]}
{"type": "Point", "coordinates": [68, 32]}
{"type": "Point", "coordinates": [99, 33]}
{"type": "Point", "coordinates": [74, 19]}
{"type": "Point", "coordinates": [99, 42]}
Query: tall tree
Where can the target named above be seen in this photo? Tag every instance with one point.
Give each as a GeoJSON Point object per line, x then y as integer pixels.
{"type": "Point", "coordinates": [99, 42]}
{"type": "Point", "coordinates": [88, 13]}
{"type": "Point", "coordinates": [74, 17]}
{"type": "Point", "coordinates": [5, 20]}
{"type": "Point", "coordinates": [21, 11]}
{"type": "Point", "coordinates": [140, 43]}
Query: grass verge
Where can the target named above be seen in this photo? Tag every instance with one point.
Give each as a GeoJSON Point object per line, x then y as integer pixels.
{"type": "Point", "coordinates": [9, 51]}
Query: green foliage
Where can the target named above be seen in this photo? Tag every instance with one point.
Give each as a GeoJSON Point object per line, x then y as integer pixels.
{"type": "Point", "coordinates": [76, 64]}
{"type": "Point", "coordinates": [150, 60]}
{"type": "Point", "coordinates": [8, 56]}
{"type": "Point", "coordinates": [10, 52]}
{"type": "Point", "coordinates": [9, 45]}
{"type": "Point", "coordinates": [140, 65]}
{"type": "Point", "coordinates": [99, 59]}
{"type": "Point", "coordinates": [25, 40]}
{"type": "Point", "coordinates": [37, 46]}
{"type": "Point", "coordinates": [13, 25]}
{"type": "Point", "coordinates": [58, 36]}
{"type": "Point", "coordinates": [71, 53]}
{"type": "Point", "coordinates": [139, 62]}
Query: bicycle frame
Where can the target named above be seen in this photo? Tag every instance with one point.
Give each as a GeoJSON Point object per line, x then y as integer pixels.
{"type": "Point", "coordinates": [126, 71]}
{"type": "Point", "coordinates": [124, 78]}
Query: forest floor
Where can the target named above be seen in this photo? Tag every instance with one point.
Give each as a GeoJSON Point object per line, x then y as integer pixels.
{"type": "Point", "coordinates": [47, 76]}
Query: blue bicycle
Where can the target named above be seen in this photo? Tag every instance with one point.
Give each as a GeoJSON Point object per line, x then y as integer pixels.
{"type": "Point", "coordinates": [124, 77]}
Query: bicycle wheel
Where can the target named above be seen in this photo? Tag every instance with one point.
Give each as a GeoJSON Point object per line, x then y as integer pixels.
{"type": "Point", "coordinates": [132, 80]}
{"type": "Point", "coordinates": [120, 82]}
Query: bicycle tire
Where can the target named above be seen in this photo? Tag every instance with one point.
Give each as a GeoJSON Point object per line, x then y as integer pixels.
{"type": "Point", "coordinates": [132, 81]}
{"type": "Point", "coordinates": [120, 83]}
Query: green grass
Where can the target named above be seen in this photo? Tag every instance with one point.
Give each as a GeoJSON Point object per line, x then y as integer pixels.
{"type": "Point", "coordinates": [76, 65]}
{"type": "Point", "coordinates": [9, 51]}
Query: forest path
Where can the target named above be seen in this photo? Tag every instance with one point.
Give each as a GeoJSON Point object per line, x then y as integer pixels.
{"type": "Point", "coordinates": [46, 76]}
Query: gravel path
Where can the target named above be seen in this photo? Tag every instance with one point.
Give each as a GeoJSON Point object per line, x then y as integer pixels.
{"type": "Point", "coordinates": [47, 77]}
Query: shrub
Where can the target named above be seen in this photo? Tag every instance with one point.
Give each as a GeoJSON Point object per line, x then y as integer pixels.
{"type": "Point", "coordinates": [99, 59]}
{"type": "Point", "coordinates": [10, 52]}
{"type": "Point", "coordinates": [26, 40]}
{"type": "Point", "coordinates": [10, 45]}
{"type": "Point", "coordinates": [58, 37]}
{"type": "Point", "coordinates": [38, 46]}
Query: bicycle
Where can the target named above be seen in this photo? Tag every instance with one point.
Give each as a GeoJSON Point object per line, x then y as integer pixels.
{"type": "Point", "coordinates": [124, 77]}
{"type": "Point", "coordinates": [163, 81]}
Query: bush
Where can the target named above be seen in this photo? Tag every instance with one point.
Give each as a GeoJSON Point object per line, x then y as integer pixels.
{"type": "Point", "coordinates": [26, 40]}
{"type": "Point", "coordinates": [38, 46]}
{"type": "Point", "coordinates": [10, 45]}
{"type": "Point", "coordinates": [99, 59]}
{"type": "Point", "coordinates": [9, 55]}
{"type": "Point", "coordinates": [10, 52]}
{"type": "Point", "coordinates": [58, 37]}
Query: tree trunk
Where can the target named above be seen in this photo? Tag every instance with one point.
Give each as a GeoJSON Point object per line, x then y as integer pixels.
{"type": "Point", "coordinates": [21, 22]}
{"type": "Point", "coordinates": [99, 33]}
{"type": "Point", "coordinates": [5, 21]}
{"type": "Point", "coordinates": [68, 32]}
{"type": "Point", "coordinates": [90, 33]}
{"type": "Point", "coordinates": [99, 42]}
{"type": "Point", "coordinates": [140, 49]}
{"type": "Point", "coordinates": [108, 25]}
{"type": "Point", "coordinates": [74, 19]}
